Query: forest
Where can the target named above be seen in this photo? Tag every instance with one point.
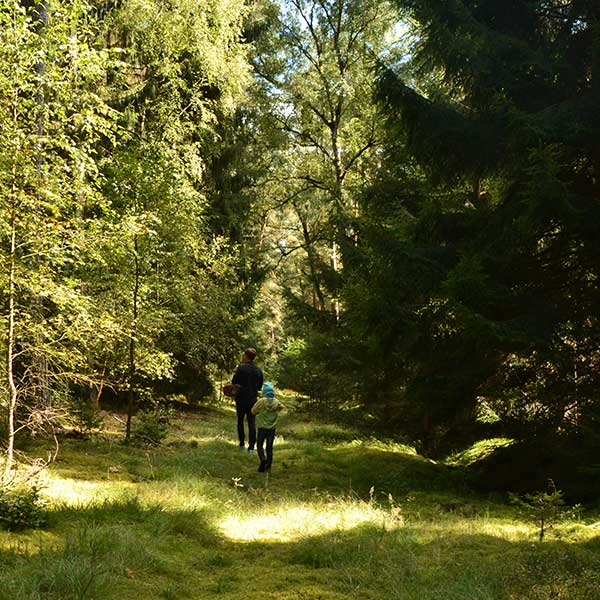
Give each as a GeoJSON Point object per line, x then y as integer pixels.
{"type": "Point", "coordinates": [397, 203]}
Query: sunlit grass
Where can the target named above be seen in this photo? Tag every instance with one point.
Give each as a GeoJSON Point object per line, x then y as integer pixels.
{"type": "Point", "coordinates": [293, 521]}
{"type": "Point", "coordinates": [342, 517]}
{"type": "Point", "coordinates": [77, 491]}
{"type": "Point", "coordinates": [478, 451]}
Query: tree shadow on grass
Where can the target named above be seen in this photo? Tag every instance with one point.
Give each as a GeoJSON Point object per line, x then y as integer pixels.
{"type": "Point", "coordinates": [98, 460]}
{"type": "Point", "coordinates": [311, 465]}
{"type": "Point", "coordinates": [101, 547]}
{"type": "Point", "coordinates": [301, 468]}
{"type": "Point", "coordinates": [326, 458]}
{"type": "Point", "coordinates": [394, 472]}
{"type": "Point", "coordinates": [131, 542]}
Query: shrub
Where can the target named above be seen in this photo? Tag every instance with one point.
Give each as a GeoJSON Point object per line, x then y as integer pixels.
{"type": "Point", "coordinates": [85, 417]}
{"type": "Point", "coordinates": [21, 508]}
{"type": "Point", "coordinates": [544, 508]}
{"type": "Point", "coordinates": [149, 428]}
{"type": "Point", "coordinates": [310, 368]}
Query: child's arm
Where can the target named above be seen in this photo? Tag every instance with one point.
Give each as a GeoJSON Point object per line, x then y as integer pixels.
{"type": "Point", "coordinates": [257, 406]}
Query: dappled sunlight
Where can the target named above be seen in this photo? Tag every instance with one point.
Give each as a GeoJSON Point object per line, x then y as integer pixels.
{"type": "Point", "coordinates": [290, 523]}
{"type": "Point", "coordinates": [77, 491]}
{"type": "Point", "coordinates": [28, 543]}
{"type": "Point", "coordinates": [480, 450]}
{"type": "Point", "coordinates": [510, 531]}
{"type": "Point", "coordinates": [175, 496]}
{"type": "Point", "coordinates": [381, 446]}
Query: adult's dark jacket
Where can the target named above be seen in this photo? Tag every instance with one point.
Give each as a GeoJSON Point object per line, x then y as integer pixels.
{"type": "Point", "coordinates": [250, 377]}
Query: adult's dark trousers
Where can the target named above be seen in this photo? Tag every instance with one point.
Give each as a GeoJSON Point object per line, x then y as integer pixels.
{"type": "Point", "coordinates": [244, 411]}
{"type": "Point", "coordinates": [268, 436]}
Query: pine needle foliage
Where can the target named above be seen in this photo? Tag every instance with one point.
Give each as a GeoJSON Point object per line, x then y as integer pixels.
{"type": "Point", "coordinates": [487, 292]}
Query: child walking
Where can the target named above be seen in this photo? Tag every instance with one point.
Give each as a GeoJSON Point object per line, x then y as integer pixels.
{"type": "Point", "coordinates": [267, 411]}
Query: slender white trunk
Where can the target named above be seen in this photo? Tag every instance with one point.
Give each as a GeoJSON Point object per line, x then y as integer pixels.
{"type": "Point", "coordinates": [40, 362]}
{"type": "Point", "coordinates": [10, 344]}
{"type": "Point", "coordinates": [10, 333]}
{"type": "Point", "coordinates": [132, 369]}
{"type": "Point", "coordinates": [334, 262]}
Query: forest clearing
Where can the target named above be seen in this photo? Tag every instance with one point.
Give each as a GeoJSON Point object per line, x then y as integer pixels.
{"type": "Point", "coordinates": [342, 517]}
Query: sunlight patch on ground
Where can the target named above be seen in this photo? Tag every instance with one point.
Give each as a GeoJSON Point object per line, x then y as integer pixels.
{"type": "Point", "coordinates": [511, 532]}
{"type": "Point", "coordinates": [379, 445]}
{"type": "Point", "coordinates": [27, 543]}
{"type": "Point", "coordinates": [518, 531]}
{"type": "Point", "coordinates": [174, 497]}
{"type": "Point", "coordinates": [508, 531]}
{"type": "Point", "coordinates": [294, 522]}
{"type": "Point", "coordinates": [76, 491]}
{"type": "Point", "coordinates": [478, 451]}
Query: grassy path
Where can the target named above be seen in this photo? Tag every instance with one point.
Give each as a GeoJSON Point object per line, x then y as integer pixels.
{"type": "Point", "coordinates": [340, 518]}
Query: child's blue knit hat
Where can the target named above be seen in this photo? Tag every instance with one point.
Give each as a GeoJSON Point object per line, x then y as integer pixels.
{"type": "Point", "coordinates": [267, 390]}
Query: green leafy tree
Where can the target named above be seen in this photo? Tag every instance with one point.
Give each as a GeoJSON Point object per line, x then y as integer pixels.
{"type": "Point", "coordinates": [325, 106]}
{"type": "Point", "coordinates": [50, 121]}
{"type": "Point", "coordinates": [181, 75]}
{"type": "Point", "coordinates": [320, 84]}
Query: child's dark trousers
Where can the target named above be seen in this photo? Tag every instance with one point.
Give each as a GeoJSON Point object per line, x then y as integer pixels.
{"type": "Point", "coordinates": [268, 436]}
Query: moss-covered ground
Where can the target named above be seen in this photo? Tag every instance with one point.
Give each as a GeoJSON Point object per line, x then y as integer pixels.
{"type": "Point", "coordinates": [341, 517]}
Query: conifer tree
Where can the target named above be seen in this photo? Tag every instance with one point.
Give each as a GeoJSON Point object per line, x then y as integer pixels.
{"type": "Point", "coordinates": [505, 116]}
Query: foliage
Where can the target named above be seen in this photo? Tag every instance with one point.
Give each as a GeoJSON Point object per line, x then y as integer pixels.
{"type": "Point", "coordinates": [474, 283]}
{"type": "Point", "coordinates": [545, 508]}
{"type": "Point", "coordinates": [322, 105]}
{"type": "Point", "coordinates": [395, 202]}
{"type": "Point", "coordinates": [175, 275]}
{"type": "Point", "coordinates": [150, 428]}
{"type": "Point", "coordinates": [21, 507]}
{"type": "Point", "coordinates": [115, 280]}
{"type": "Point", "coordinates": [51, 120]}
{"type": "Point", "coordinates": [84, 416]}
{"type": "Point", "coordinates": [294, 371]}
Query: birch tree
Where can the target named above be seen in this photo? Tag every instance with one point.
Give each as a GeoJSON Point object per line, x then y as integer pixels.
{"type": "Point", "coordinates": [47, 172]}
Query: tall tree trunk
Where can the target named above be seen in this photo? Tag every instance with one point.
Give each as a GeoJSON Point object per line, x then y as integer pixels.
{"type": "Point", "coordinates": [338, 199]}
{"type": "Point", "coordinates": [312, 259]}
{"type": "Point", "coordinates": [40, 363]}
{"type": "Point", "coordinates": [10, 333]}
{"type": "Point", "coordinates": [132, 369]}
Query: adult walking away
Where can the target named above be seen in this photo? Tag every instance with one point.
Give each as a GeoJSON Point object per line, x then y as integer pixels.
{"type": "Point", "coordinates": [267, 410]}
{"type": "Point", "coordinates": [250, 379]}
